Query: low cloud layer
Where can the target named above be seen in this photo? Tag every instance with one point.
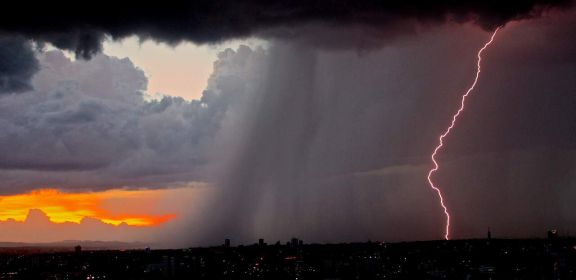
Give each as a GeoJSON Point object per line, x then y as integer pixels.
{"type": "Point", "coordinates": [88, 229]}
{"type": "Point", "coordinates": [339, 24]}
{"type": "Point", "coordinates": [82, 29]}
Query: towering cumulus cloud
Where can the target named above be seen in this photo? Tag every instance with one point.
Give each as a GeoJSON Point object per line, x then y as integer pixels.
{"type": "Point", "coordinates": [88, 125]}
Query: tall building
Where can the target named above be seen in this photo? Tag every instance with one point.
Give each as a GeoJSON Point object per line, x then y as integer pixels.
{"type": "Point", "coordinates": [294, 242]}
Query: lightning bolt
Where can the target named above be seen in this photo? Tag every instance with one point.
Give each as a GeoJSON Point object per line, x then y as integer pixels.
{"type": "Point", "coordinates": [447, 131]}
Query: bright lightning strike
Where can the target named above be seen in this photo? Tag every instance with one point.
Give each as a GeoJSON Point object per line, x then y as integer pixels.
{"type": "Point", "coordinates": [447, 131]}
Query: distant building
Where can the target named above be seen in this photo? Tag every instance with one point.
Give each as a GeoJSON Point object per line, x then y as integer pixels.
{"type": "Point", "coordinates": [261, 242]}
{"type": "Point", "coordinates": [227, 243]}
{"type": "Point", "coordinates": [78, 249]}
{"type": "Point", "coordinates": [294, 242]}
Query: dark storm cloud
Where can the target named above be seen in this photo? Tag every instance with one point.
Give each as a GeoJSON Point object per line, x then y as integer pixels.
{"type": "Point", "coordinates": [361, 24]}
{"type": "Point", "coordinates": [79, 28]}
{"type": "Point", "coordinates": [18, 64]}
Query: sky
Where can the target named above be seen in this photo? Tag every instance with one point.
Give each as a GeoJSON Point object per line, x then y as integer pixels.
{"type": "Point", "coordinates": [184, 125]}
{"type": "Point", "coordinates": [181, 70]}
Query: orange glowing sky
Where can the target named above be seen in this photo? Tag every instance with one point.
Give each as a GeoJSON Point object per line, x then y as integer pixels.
{"type": "Point", "coordinates": [132, 207]}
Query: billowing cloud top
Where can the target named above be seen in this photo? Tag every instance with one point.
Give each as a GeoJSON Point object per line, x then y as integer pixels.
{"type": "Point", "coordinates": [87, 124]}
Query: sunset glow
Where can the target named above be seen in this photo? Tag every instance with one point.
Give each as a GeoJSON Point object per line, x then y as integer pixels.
{"type": "Point", "coordinates": [105, 206]}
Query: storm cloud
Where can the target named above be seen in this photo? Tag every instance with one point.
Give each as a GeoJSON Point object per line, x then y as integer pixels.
{"type": "Point", "coordinates": [81, 29]}
{"type": "Point", "coordinates": [18, 64]}
{"type": "Point", "coordinates": [337, 24]}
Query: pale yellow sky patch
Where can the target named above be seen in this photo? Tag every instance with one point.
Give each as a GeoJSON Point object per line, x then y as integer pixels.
{"type": "Point", "coordinates": [182, 70]}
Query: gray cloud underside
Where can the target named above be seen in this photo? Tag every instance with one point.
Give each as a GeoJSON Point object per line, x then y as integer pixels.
{"type": "Point", "coordinates": [82, 29]}
{"type": "Point", "coordinates": [337, 24]}
{"type": "Point", "coordinates": [363, 24]}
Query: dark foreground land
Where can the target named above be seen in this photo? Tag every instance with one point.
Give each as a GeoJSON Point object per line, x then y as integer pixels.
{"type": "Point", "coordinates": [460, 259]}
